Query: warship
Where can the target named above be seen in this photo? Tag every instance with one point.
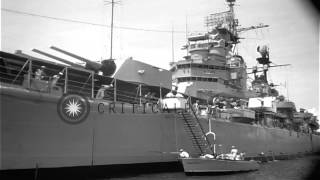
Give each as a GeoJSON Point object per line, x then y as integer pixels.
{"type": "Point", "coordinates": [70, 115]}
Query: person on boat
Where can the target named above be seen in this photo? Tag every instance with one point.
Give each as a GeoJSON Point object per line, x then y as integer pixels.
{"type": "Point", "coordinates": [242, 154]}
{"type": "Point", "coordinates": [183, 154]}
{"type": "Point", "coordinates": [233, 153]}
{"type": "Point", "coordinates": [207, 156]}
{"type": "Point", "coordinates": [40, 74]}
{"type": "Point", "coordinates": [238, 157]}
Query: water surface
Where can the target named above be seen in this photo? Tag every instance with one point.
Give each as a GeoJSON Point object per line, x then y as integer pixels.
{"type": "Point", "coordinates": [295, 169]}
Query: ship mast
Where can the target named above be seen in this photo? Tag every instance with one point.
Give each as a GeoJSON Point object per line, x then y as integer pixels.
{"type": "Point", "coordinates": [112, 2]}
{"type": "Point", "coordinates": [233, 24]}
{"type": "Point", "coordinates": [111, 35]}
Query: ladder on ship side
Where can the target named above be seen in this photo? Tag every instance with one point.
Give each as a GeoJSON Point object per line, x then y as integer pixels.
{"type": "Point", "coordinates": [198, 136]}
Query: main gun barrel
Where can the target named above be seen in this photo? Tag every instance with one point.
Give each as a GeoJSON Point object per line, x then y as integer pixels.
{"type": "Point", "coordinates": [57, 58]}
{"type": "Point", "coordinates": [89, 64]}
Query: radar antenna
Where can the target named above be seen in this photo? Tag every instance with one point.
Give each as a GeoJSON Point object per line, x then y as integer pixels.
{"type": "Point", "coordinates": [228, 21]}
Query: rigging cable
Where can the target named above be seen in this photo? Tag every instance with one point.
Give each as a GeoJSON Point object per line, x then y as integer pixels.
{"type": "Point", "coordinates": [88, 23]}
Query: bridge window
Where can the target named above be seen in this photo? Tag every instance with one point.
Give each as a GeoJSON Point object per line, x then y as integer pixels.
{"type": "Point", "coordinates": [186, 79]}
{"type": "Point", "coordinates": [201, 66]}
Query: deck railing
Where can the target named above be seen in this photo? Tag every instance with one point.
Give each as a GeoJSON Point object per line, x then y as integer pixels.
{"type": "Point", "coordinates": [72, 80]}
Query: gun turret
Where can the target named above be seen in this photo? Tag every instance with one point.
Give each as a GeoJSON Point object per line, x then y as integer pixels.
{"type": "Point", "coordinates": [107, 67]}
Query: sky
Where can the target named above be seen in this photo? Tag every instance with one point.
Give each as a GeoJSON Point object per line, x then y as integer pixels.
{"type": "Point", "coordinates": [293, 35]}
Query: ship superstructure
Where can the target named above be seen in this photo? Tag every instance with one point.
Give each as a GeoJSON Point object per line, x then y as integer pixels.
{"type": "Point", "coordinates": [212, 67]}
{"type": "Point", "coordinates": [272, 108]}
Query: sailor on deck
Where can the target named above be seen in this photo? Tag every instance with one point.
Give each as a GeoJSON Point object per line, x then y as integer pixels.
{"type": "Point", "coordinates": [174, 94]}
{"type": "Point", "coordinates": [40, 74]}
{"type": "Point", "coordinates": [53, 82]}
{"type": "Point", "coordinates": [55, 79]}
{"type": "Point", "coordinates": [101, 92]}
{"type": "Point", "coordinates": [196, 107]}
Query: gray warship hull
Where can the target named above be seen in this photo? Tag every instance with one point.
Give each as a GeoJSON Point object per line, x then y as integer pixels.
{"type": "Point", "coordinates": [33, 135]}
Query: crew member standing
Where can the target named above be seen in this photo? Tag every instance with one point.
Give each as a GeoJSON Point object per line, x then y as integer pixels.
{"type": "Point", "coordinates": [233, 152]}
{"type": "Point", "coordinates": [196, 107]}
{"type": "Point", "coordinates": [40, 74]}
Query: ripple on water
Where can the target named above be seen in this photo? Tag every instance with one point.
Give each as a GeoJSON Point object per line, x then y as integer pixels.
{"type": "Point", "coordinates": [295, 169]}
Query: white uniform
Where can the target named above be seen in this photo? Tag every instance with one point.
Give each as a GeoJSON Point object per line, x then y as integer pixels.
{"type": "Point", "coordinates": [169, 95]}
{"type": "Point", "coordinates": [184, 154]}
{"type": "Point", "coordinates": [234, 153]}
{"type": "Point", "coordinates": [209, 156]}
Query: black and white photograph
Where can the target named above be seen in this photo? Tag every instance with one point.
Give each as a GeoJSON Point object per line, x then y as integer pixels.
{"type": "Point", "coordinates": [164, 90]}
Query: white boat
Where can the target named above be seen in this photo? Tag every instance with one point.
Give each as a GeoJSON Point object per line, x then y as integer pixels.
{"type": "Point", "coordinates": [207, 165]}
